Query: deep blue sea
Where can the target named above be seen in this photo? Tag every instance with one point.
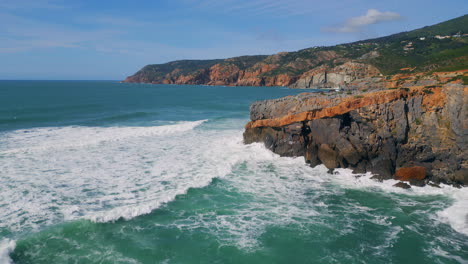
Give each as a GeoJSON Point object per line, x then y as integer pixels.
{"type": "Point", "coordinates": [107, 172]}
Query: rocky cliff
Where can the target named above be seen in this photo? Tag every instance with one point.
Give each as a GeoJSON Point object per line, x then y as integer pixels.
{"type": "Point", "coordinates": [342, 75]}
{"type": "Point", "coordinates": [417, 134]}
{"type": "Point", "coordinates": [348, 65]}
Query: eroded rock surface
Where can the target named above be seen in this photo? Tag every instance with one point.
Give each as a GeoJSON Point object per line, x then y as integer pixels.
{"type": "Point", "coordinates": [381, 132]}
{"type": "Point", "coordinates": [341, 75]}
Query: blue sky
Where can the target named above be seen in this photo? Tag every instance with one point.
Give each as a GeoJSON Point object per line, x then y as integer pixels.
{"type": "Point", "coordinates": [109, 40]}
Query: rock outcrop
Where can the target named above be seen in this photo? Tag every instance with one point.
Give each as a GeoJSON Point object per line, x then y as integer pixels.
{"type": "Point", "coordinates": [419, 132]}
{"type": "Point", "coordinates": [341, 75]}
{"type": "Point", "coordinates": [353, 65]}
{"type": "Point", "coordinates": [220, 74]}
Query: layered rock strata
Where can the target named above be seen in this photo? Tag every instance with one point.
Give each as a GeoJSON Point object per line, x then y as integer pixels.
{"type": "Point", "coordinates": [342, 75]}
{"type": "Point", "coordinates": [220, 74]}
{"type": "Point", "coordinates": [411, 134]}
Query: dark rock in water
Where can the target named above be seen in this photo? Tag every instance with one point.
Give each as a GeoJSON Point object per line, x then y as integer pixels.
{"type": "Point", "coordinates": [416, 182]}
{"type": "Point", "coordinates": [403, 134]}
{"type": "Point", "coordinates": [328, 156]}
{"type": "Point", "coordinates": [434, 185]}
{"type": "Point", "coordinates": [377, 178]}
{"type": "Point", "coordinates": [402, 185]}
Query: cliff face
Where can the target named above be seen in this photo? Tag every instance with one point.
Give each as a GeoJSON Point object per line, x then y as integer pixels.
{"type": "Point", "coordinates": [401, 133]}
{"type": "Point", "coordinates": [349, 65]}
{"type": "Point", "coordinates": [341, 75]}
{"type": "Point", "coordinates": [270, 72]}
{"type": "Point", "coordinates": [228, 72]}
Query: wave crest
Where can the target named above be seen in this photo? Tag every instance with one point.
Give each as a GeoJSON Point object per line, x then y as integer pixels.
{"type": "Point", "coordinates": [6, 247]}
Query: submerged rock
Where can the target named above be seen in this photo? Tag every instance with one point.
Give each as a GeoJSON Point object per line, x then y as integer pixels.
{"type": "Point", "coordinates": [402, 185]}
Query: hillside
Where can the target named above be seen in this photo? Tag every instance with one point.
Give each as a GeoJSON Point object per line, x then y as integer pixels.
{"type": "Point", "coordinates": [441, 47]}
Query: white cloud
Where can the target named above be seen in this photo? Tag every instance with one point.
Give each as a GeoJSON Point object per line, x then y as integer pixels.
{"type": "Point", "coordinates": [359, 23]}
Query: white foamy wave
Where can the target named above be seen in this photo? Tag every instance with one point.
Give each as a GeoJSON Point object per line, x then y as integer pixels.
{"type": "Point", "coordinates": [75, 136]}
{"type": "Point", "coordinates": [6, 247]}
{"type": "Point", "coordinates": [456, 215]}
{"type": "Point", "coordinates": [134, 175]}
{"type": "Point", "coordinates": [103, 174]}
{"type": "Point", "coordinates": [128, 172]}
{"type": "Point", "coordinates": [286, 192]}
{"type": "Point", "coordinates": [273, 191]}
{"type": "Point", "coordinates": [442, 253]}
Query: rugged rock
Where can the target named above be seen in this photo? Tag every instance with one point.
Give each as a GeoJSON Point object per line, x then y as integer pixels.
{"type": "Point", "coordinates": [419, 183]}
{"type": "Point", "coordinates": [219, 74]}
{"type": "Point", "coordinates": [411, 173]}
{"type": "Point", "coordinates": [354, 65]}
{"type": "Point", "coordinates": [417, 132]}
{"type": "Point", "coordinates": [402, 185]}
{"type": "Point", "coordinates": [341, 75]}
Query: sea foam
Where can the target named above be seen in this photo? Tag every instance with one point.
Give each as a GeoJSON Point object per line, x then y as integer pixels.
{"type": "Point", "coordinates": [455, 215]}
{"type": "Point", "coordinates": [107, 173]}
{"type": "Point", "coordinates": [6, 247]}
{"type": "Point", "coordinates": [98, 173]}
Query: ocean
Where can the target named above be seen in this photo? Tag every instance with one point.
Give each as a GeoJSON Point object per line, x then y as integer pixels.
{"type": "Point", "coordinates": [108, 172]}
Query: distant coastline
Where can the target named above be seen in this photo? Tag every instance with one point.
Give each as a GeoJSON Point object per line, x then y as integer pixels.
{"type": "Point", "coordinates": [359, 65]}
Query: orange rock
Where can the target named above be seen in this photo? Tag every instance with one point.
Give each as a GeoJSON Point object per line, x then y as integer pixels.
{"type": "Point", "coordinates": [431, 102]}
{"type": "Point", "coordinates": [347, 105]}
{"type": "Point", "coordinates": [411, 173]}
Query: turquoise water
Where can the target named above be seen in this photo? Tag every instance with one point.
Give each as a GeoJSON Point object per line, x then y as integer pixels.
{"type": "Point", "coordinates": [104, 172]}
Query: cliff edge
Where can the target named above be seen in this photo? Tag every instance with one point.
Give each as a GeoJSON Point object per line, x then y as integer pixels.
{"type": "Point", "coordinates": [440, 47]}
{"type": "Point", "coordinates": [412, 134]}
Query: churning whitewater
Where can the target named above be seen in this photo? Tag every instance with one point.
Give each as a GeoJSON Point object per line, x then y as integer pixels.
{"type": "Point", "coordinates": [149, 189]}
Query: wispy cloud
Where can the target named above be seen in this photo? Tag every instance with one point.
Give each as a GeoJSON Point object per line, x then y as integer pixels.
{"type": "Point", "coordinates": [278, 8]}
{"type": "Point", "coordinates": [30, 4]}
{"type": "Point", "coordinates": [23, 34]}
{"type": "Point", "coordinates": [270, 35]}
{"type": "Point", "coordinates": [111, 21]}
{"type": "Point", "coordinates": [359, 23]}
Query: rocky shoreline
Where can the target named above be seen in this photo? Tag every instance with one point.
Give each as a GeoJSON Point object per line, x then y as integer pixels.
{"type": "Point", "coordinates": [391, 60]}
{"type": "Point", "coordinates": [414, 134]}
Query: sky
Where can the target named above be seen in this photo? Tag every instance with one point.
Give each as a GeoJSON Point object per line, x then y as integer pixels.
{"type": "Point", "coordinates": [109, 40]}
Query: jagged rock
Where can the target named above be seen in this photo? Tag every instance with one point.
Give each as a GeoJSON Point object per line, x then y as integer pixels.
{"type": "Point", "coordinates": [402, 185]}
{"type": "Point", "coordinates": [357, 65]}
{"type": "Point", "coordinates": [411, 173]}
{"type": "Point", "coordinates": [328, 156]}
{"type": "Point", "coordinates": [370, 55]}
{"type": "Point", "coordinates": [338, 76]}
{"type": "Point", "coordinates": [423, 134]}
{"type": "Point", "coordinates": [418, 183]}
{"type": "Point", "coordinates": [460, 177]}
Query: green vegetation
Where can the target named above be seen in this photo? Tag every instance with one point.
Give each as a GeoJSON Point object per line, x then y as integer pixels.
{"type": "Point", "coordinates": [389, 54]}
{"type": "Point", "coordinates": [464, 79]}
{"type": "Point", "coordinates": [418, 121]}
{"type": "Point", "coordinates": [427, 91]}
